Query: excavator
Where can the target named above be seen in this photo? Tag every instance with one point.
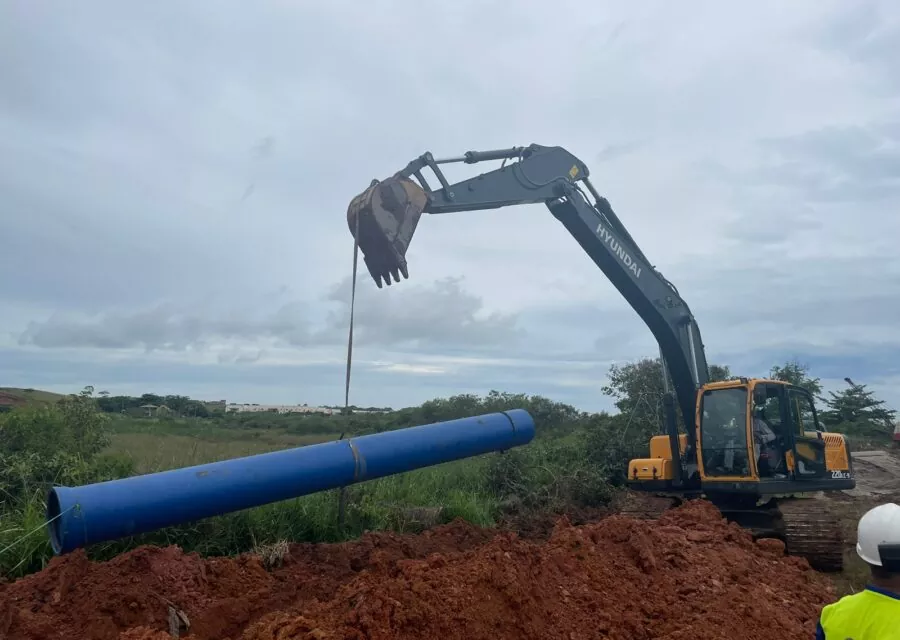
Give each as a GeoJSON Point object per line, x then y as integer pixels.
{"type": "Point", "coordinates": [754, 447]}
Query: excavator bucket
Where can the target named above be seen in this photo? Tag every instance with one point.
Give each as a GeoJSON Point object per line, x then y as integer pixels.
{"type": "Point", "coordinates": [383, 219]}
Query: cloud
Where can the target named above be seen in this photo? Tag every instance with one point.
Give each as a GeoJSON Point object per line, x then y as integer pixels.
{"type": "Point", "coordinates": [175, 185]}
{"type": "Point", "coordinates": [867, 33]}
{"type": "Point", "coordinates": [837, 165]}
{"type": "Point", "coordinates": [441, 315]}
{"type": "Point", "coordinates": [166, 327]}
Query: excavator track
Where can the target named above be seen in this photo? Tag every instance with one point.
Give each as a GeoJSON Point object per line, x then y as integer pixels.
{"type": "Point", "coordinates": [642, 506]}
{"type": "Point", "coordinates": [810, 532]}
{"type": "Point", "coordinates": [802, 524]}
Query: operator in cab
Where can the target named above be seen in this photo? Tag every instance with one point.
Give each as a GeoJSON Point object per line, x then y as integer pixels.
{"type": "Point", "coordinates": [764, 439]}
{"type": "Point", "coordinates": [874, 613]}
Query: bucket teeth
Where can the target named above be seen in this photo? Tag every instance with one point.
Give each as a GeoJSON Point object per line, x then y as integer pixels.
{"type": "Point", "coordinates": [383, 219]}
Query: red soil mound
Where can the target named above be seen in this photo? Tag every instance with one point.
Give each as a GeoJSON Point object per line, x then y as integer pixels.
{"type": "Point", "coordinates": [689, 575]}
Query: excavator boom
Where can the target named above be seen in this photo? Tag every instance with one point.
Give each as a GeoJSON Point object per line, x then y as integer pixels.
{"type": "Point", "coordinates": [384, 218]}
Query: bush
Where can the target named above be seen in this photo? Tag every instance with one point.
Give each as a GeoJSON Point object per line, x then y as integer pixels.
{"type": "Point", "coordinates": [40, 447]}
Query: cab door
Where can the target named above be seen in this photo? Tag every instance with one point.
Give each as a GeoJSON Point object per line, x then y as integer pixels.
{"type": "Point", "coordinates": [807, 443]}
{"type": "Point", "coordinates": [769, 424]}
{"type": "Point", "coordinates": [723, 445]}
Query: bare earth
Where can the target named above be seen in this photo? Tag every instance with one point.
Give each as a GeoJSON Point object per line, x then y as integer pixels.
{"type": "Point", "coordinates": [877, 474]}
{"type": "Point", "coordinates": [688, 575]}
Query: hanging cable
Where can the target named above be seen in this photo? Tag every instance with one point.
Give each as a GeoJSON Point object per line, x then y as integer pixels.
{"type": "Point", "coordinates": [342, 497]}
{"type": "Point", "coordinates": [352, 309]}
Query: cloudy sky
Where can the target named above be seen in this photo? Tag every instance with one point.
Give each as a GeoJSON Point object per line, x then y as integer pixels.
{"type": "Point", "coordinates": [175, 181]}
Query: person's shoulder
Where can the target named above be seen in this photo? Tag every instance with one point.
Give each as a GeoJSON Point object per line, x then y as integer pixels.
{"type": "Point", "coordinates": [843, 601]}
{"type": "Point", "coordinates": [869, 593]}
{"type": "Point", "coordinates": [849, 596]}
{"type": "Point", "coordinates": [881, 592]}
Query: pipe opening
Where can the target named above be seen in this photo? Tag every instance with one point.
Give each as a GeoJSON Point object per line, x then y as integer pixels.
{"type": "Point", "coordinates": [54, 521]}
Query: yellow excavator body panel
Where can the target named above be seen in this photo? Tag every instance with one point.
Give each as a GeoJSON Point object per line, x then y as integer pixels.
{"type": "Point", "coordinates": [837, 456]}
{"type": "Point", "coordinates": [660, 447]}
{"type": "Point", "coordinates": [659, 465]}
{"type": "Point", "coordinates": [651, 469]}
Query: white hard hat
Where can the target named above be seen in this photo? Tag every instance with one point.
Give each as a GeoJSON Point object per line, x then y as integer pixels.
{"type": "Point", "coordinates": [878, 526]}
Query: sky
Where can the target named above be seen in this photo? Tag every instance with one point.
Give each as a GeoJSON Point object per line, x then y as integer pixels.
{"type": "Point", "coordinates": [175, 182]}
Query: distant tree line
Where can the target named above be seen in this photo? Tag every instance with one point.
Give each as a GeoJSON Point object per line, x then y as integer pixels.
{"type": "Point", "coordinates": [183, 406]}
{"type": "Point", "coordinates": [638, 390]}
{"type": "Point", "coordinates": [636, 387]}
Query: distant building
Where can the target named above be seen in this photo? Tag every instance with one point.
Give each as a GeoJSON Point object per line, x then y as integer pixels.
{"type": "Point", "coordinates": [278, 408]}
{"type": "Point", "coordinates": [149, 408]}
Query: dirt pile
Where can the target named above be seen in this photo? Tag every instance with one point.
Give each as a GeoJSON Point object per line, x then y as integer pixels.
{"type": "Point", "coordinates": [690, 575]}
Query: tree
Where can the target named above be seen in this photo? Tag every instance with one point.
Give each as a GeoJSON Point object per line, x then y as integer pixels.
{"type": "Point", "coordinates": [152, 398]}
{"type": "Point", "coordinates": [856, 410]}
{"type": "Point", "coordinates": [55, 443]}
{"type": "Point", "coordinates": [797, 373]}
{"type": "Point", "coordinates": [195, 408]}
{"type": "Point", "coordinates": [84, 423]}
{"type": "Point", "coordinates": [638, 390]}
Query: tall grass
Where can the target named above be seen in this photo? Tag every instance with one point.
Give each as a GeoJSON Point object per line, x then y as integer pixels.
{"type": "Point", "coordinates": [407, 502]}
{"type": "Point", "coordinates": [545, 474]}
{"type": "Point", "coordinates": [151, 452]}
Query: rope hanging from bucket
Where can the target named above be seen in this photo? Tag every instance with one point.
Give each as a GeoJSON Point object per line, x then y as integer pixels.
{"type": "Point", "coordinates": [352, 309]}
{"type": "Point", "coordinates": [342, 496]}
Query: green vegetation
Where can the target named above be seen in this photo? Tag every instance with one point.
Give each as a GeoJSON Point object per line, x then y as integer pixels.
{"type": "Point", "coordinates": [860, 412]}
{"type": "Point", "coordinates": [11, 398]}
{"type": "Point", "coordinates": [578, 459]}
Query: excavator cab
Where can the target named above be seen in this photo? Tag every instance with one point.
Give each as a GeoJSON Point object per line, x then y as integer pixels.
{"type": "Point", "coordinates": [752, 436]}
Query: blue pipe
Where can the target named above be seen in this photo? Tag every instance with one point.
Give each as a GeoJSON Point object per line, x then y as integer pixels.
{"type": "Point", "coordinates": [80, 516]}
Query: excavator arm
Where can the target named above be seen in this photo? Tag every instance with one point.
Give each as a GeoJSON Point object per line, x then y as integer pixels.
{"type": "Point", "coordinates": [383, 220]}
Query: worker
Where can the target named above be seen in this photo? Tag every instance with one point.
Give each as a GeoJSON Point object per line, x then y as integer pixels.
{"type": "Point", "coordinates": [764, 444]}
{"type": "Point", "coordinates": [874, 613]}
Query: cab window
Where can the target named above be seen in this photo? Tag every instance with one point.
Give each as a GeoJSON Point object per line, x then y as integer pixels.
{"type": "Point", "coordinates": [723, 432]}
{"type": "Point", "coordinates": [767, 405]}
{"type": "Point", "coordinates": [803, 414]}
{"type": "Point", "coordinates": [769, 430]}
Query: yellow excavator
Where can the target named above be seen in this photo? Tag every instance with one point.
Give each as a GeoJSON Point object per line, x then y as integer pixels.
{"type": "Point", "coordinates": [751, 446]}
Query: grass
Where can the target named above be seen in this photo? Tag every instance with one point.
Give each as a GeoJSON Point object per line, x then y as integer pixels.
{"type": "Point", "coordinates": [12, 396]}
{"type": "Point", "coordinates": [161, 444]}
{"type": "Point", "coordinates": [150, 452]}
{"type": "Point", "coordinates": [407, 502]}
{"type": "Point", "coordinates": [854, 577]}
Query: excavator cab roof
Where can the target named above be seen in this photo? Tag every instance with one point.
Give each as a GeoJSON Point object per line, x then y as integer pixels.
{"type": "Point", "coordinates": [735, 382]}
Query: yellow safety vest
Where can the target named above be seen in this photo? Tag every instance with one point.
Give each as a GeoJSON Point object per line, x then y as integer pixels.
{"type": "Point", "coordinates": [872, 614]}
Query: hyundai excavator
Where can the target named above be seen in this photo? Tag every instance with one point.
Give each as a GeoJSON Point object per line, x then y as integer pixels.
{"type": "Point", "coordinates": [751, 446]}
